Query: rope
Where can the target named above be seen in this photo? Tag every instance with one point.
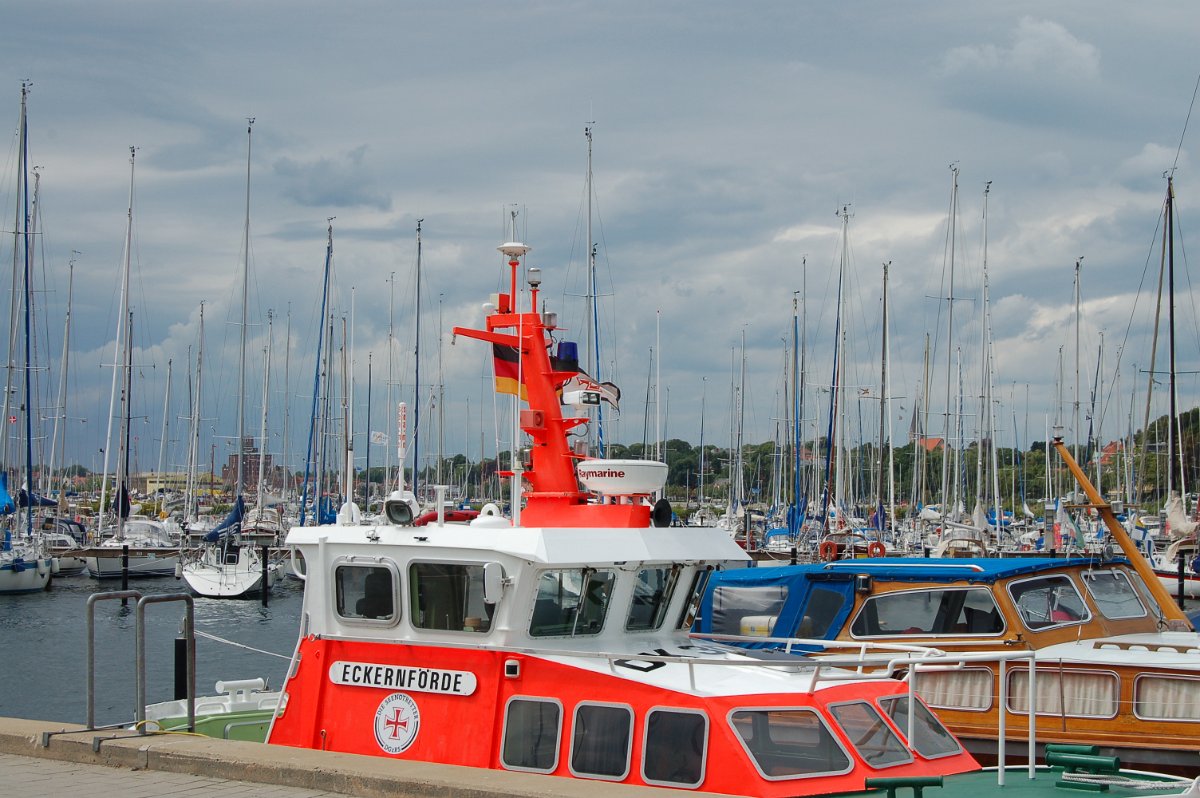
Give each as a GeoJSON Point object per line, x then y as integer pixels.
{"type": "Point", "coordinates": [240, 645]}
{"type": "Point", "coordinates": [1125, 781]}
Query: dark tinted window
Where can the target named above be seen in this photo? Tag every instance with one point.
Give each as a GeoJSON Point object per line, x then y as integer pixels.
{"type": "Point", "coordinates": [600, 741]}
{"type": "Point", "coordinates": [675, 746]}
{"type": "Point", "coordinates": [531, 730]}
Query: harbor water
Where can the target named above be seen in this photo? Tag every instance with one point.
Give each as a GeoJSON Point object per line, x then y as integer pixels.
{"type": "Point", "coordinates": [43, 646]}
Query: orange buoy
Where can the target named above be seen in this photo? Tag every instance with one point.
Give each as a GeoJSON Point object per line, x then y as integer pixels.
{"type": "Point", "coordinates": [827, 550]}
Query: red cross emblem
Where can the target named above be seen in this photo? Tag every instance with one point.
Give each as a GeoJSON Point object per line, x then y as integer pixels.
{"type": "Point", "coordinates": [396, 723]}
{"type": "Point", "coordinates": [12, 419]}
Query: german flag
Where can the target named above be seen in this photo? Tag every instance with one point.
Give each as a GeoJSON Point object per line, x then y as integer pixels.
{"type": "Point", "coordinates": [506, 362]}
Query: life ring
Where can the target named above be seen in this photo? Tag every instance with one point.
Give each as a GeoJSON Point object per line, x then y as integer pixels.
{"type": "Point", "coordinates": [827, 550]}
{"type": "Point", "coordinates": [876, 549]}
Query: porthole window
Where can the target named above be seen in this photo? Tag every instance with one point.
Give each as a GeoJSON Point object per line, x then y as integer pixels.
{"type": "Point", "coordinates": [366, 592]}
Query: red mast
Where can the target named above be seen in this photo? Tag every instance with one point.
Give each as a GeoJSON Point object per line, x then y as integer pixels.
{"type": "Point", "coordinates": [554, 497]}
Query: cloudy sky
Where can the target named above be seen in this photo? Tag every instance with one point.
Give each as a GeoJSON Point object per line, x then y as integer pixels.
{"type": "Point", "coordinates": [727, 138]}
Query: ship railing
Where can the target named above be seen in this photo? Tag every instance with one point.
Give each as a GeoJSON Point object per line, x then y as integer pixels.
{"type": "Point", "coordinates": [877, 660]}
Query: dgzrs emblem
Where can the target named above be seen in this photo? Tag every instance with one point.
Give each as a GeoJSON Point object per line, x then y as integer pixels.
{"type": "Point", "coordinates": [397, 722]}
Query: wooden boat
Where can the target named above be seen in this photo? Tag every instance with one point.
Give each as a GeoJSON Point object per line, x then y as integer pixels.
{"type": "Point", "coordinates": [1118, 665]}
{"type": "Point", "coordinates": [558, 642]}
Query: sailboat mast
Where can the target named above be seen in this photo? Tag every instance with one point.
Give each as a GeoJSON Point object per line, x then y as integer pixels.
{"type": "Point", "coordinates": [162, 442]}
{"type": "Point", "coordinates": [241, 399]}
{"type": "Point", "coordinates": [1172, 436]}
{"type": "Point", "coordinates": [1078, 426]}
{"type": "Point", "coordinates": [262, 435]}
{"type": "Point", "coordinates": [314, 440]}
{"type": "Point", "coordinates": [194, 433]}
{"type": "Point", "coordinates": [947, 508]}
{"type": "Point", "coordinates": [416, 436]}
{"type": "Point", "coordinates": [59, 441]}
{"type": "Point", "coordinates": [700, 476]}
{"type": "Point", "coordinates": [118, 343]}
{"type": "Point", "coordinates": [27, 236]}
{"type": "Point", "coordinates": [16, 294]}
{"type": "Point", "coordinates": [883, 389]}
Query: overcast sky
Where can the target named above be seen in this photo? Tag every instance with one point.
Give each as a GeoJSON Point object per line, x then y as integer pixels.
{"type": "Point", "coordinates": [727, 137]}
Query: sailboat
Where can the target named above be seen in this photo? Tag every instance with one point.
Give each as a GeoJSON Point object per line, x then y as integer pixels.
{"type": "Point", "coordinates": [226, 565]}
{"type": "Point", "coordinates": [24, 566]}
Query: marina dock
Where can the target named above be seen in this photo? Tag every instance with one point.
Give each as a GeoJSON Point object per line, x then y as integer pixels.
{"type": "Point", "coordinates": [41, 759]}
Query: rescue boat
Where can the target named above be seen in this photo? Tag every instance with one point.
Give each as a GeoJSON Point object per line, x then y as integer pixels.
{"type": "Point", "coordinates": [558, 641]}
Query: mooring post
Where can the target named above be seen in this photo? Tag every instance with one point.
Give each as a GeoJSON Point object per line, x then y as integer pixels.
{"type": "Point", "coordinates": [124, 572]}
{"type": "Point", "coordinates": [266, 565]}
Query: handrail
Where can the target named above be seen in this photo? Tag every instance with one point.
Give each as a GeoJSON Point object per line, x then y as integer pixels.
{"type": "Point", "coordinates": [189, 634]}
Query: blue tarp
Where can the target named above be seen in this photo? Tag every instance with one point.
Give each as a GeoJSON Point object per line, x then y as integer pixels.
{"type": "Point", "coordinates": [231, 525]}
{"type": "Point", "coordinates": [38, 501]}
{"type": "Point", "coordinates": [6, 503]}
{"type": "Point", "coordinates": [813, 600]}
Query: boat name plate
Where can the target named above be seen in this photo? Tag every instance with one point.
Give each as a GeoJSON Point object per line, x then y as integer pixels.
{"type": "Point", "coordinates": [400, 677]}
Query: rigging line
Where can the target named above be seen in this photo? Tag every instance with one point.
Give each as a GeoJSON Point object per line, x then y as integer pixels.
{"type": "Point", "coordinates": [1187, 119]}
{"type": "Point", "coordinates": [236, 644]}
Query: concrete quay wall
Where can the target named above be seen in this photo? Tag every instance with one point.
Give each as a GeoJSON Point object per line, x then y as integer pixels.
{"type": "Point", "coordinates": [350, 774]}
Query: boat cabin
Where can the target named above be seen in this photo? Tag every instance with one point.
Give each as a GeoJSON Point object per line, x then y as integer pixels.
{"type": "Point", "coordinates": [1108, 668]}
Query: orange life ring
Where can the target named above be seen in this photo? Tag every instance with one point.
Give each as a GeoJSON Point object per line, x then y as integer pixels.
{"type": "Point", "coordinates": [875, 549]}
{"type": "Point", "coordinates": [827, 550]}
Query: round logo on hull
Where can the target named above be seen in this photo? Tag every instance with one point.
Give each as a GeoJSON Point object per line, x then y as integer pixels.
{"type": "Point", "coordinates": [396, 723]}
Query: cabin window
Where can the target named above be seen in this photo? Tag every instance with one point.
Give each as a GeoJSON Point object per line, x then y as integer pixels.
{"type": "Point", "coordinates": [789, 743]}
{"type": "Point", "coordinates": [747, 610]}
{"type": "Point", "coordinates": [695, 595]}
{"type": "Point", "coordinates": [651, 596]}
{"type": "Point", "coordinates": [532, 732]}
{"type": "Point", "coordinates": [600, 741]}
{"type": "Point", "coordinates": [1147, 597]}
{"type": "Point", "coordinates": [1048, 601]}
{"type": "Point", "coordinates": [930, 738]}
{"type": "Point", "coordinates": [571, 602]}
{"type": "Point", "coordinates": [958, 611]}
{"type": "Point", "coordinates": [674, 747]}
{"type": "Point", "coordinates": [1113, 594]}
{"type": "Point", "coordinates": [1077, 694]}
{"type": "Point", "coordinates": [870, 734]}
{"type": "Point", "coordinates": [449, 597]}
{"type": "Point", "coordinates": [819, 614]}
{"type": "Point", "coordinates": [965, 688]}
{"type": "Point", "coordinates": [366, 593]}
{"type": "Point", "coordinates": [1166, 698]}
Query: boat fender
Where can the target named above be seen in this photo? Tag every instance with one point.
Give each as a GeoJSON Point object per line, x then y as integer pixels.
{"type": "Point", "coordinates": [43, 567]}
{"type": "Point", "coordinates": [876, 549]}
{"type": "Point", "coordinates": [827, 550]}
{"type": "Point", "coordinates": [55, 565]}
{"type": "Point", "coordinates": [661, 515]}
{"type": "Point", "coordinates": [490, 509]}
